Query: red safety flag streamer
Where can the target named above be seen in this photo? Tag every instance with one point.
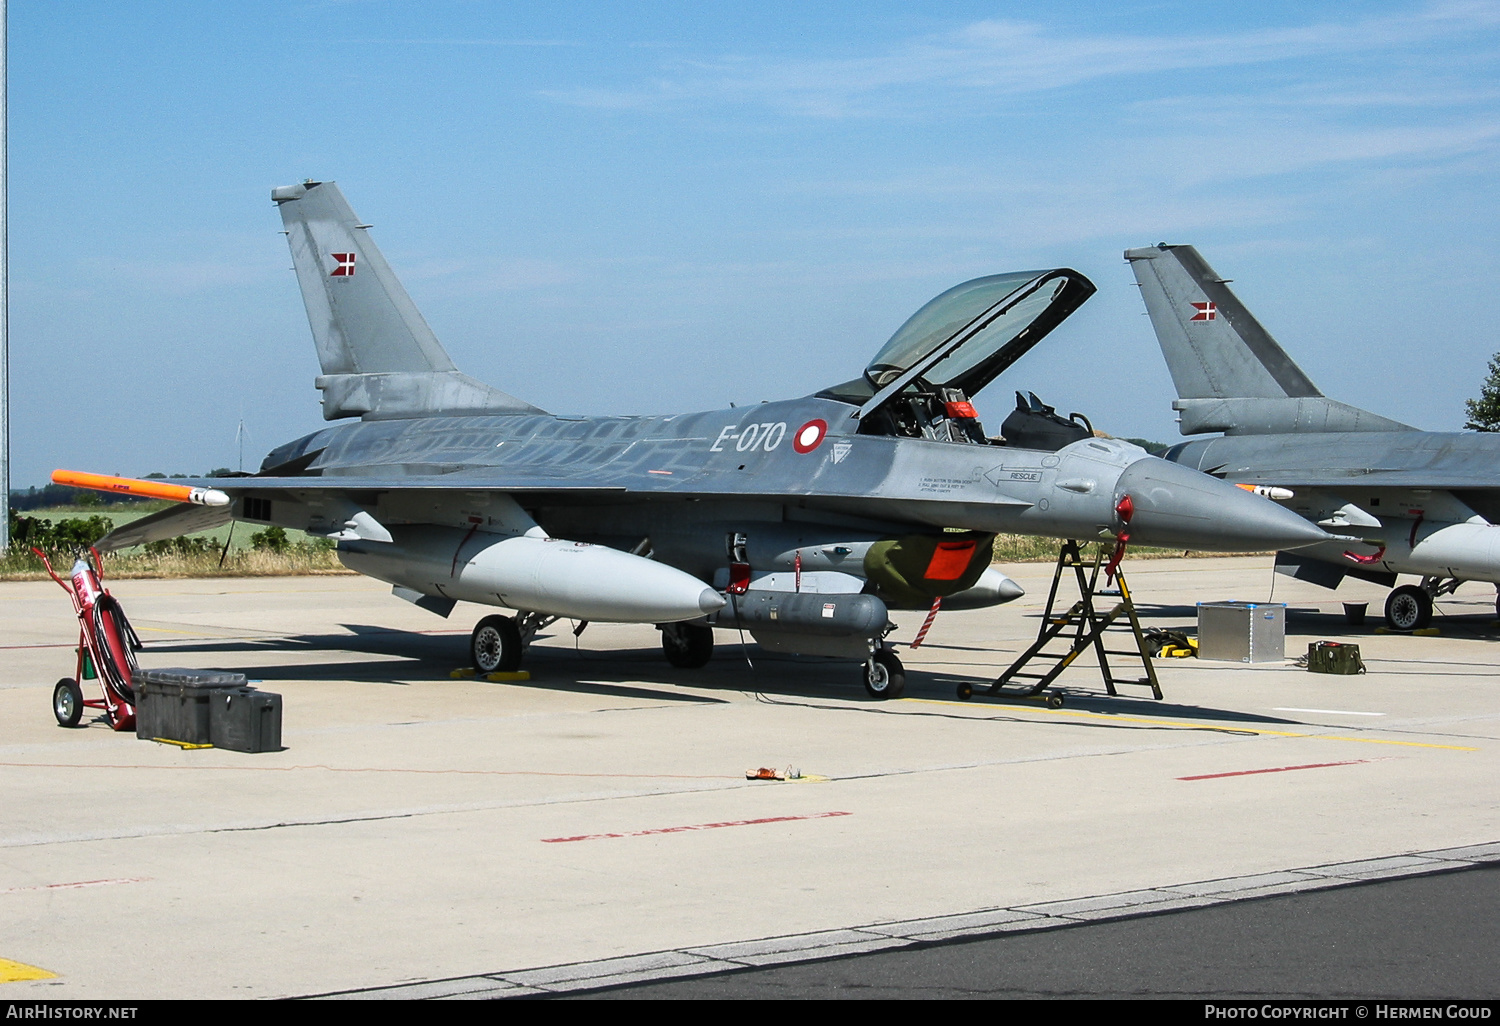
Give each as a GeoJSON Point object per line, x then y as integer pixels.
{"type": "Point", "coordinates": [927, 623]}
{"type": "Point", "coordinates": [1113, 565]}
{"type": "Point", "coordinates": [1124, 509]}
{"type": "Point", "coordinates": [797, 566]}
{"type": "Point", "coordinates": [1374, 557]}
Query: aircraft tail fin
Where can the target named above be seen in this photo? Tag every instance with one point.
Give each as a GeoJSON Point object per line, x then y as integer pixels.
{"type": "Point", "coordinates": [1230, 374]}
{"type": "Point", "coordinates": [380, 360]}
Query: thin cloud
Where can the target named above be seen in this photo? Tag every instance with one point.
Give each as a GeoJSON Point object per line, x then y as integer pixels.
{"type": "Point", "coordinates": [1002, 57]}
{"type": "Point", "coordinates": [464, 42]}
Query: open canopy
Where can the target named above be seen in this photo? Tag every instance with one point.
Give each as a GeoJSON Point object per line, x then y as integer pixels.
{"type": "Point", "coordinates": [995, 316]}
{"type": "Point", "coordinates": [965, 337]}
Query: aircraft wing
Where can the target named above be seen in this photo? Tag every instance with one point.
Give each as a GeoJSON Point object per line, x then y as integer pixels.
{"type": "Point", "coordinates": [167, 523]}
{"type": "Point", "coordinates": [1334, 480]}
{"type": "Point", "coordinates": [513, 481]}
{"type": "Point", "coordinates": [210, 501]}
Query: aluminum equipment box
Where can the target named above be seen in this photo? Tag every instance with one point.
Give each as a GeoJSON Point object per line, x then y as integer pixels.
{"type": "Point", "coordinates": [1243, 632]}
{"type": "Point", "coordinates": [246, 720]}
{"type": "Point", "coordinates": [173, 703]}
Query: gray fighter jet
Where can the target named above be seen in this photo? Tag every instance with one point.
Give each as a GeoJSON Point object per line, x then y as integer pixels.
{"type": "Point", "coordinates": [802, 521]}
{"type": "Point", "coordinates": [1425, 502]}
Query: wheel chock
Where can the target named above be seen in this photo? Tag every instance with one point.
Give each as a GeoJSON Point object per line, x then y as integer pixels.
{"type": "Point", "coordinates": [507, 675]}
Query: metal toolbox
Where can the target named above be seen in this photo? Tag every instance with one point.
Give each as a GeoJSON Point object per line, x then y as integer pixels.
{"type": "Point", "coordinates": [1242, 632]}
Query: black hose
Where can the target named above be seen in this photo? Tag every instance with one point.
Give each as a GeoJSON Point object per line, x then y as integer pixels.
{"type": "Point", "coordinates": [118, 677]}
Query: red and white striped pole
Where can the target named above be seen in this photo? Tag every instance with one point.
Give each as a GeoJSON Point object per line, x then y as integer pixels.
{"type": "Point", "coordinates": [927, 624]}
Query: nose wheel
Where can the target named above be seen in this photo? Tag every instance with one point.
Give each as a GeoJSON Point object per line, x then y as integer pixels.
{"type": "Point", "coordinates": [884, 676]}
{"type": "Point", "coordinates": [495, 645]}
{"type": "Point", "coordinates": [687, 646]}
{"type": "Point", "coordinates": [1408, 608]}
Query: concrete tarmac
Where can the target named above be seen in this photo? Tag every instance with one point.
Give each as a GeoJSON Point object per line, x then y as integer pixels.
{"type": "Point", "coordinates": [419, 829]}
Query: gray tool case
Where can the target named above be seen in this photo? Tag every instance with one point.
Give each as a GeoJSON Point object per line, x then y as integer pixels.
{"type": "Point", "coordinates": [205, 707]}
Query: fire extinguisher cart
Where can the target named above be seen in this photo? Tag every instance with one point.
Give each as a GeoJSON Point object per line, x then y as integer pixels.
{"type": "Point", "coordinates": [107, 645]}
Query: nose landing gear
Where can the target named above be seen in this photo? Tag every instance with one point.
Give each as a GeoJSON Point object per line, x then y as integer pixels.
{"type": "Point", "coordinates": [884, 676]}
{"type": "Point", "coordinates": [495, 646]}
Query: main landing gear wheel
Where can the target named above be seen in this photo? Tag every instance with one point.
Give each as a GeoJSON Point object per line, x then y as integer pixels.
{"type": "Point", "coordinates": [67, 702]}
{"type": "Point", "coordinates": [884, 676]}
{"type": "Point", "coordinates": [495, 645]}
{"type": "Point", "coordinates": [687, 646]}
{"type": "Point", "coordinates": [1408, 608]}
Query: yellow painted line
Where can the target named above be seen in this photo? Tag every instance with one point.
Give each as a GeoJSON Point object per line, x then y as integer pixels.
{"type": "Point", "coordinates": [1208, 726]}
{"type": "Point", "coordinates": [1383, 741]}
{"type": "Point", "coordinates": [15, 972]}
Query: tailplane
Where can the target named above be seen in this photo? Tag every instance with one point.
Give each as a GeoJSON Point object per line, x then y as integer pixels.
{"type": "Point", "coordinates": [380, 360]}
{"type": "Point", "coordinates": [1229, 372]}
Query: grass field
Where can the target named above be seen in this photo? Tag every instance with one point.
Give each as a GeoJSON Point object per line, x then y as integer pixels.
{"type": "Point", "coordinates": [303, 555]}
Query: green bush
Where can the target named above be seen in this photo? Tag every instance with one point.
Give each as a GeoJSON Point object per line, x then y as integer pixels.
{"type": "Point", "coordinates": [272, 539]}
{"type": "Point", "coordinates": [183, 546]}
{"type": "Point", "coordinates": [66, 537]}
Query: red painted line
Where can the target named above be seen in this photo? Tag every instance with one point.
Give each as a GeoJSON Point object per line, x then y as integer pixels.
{"type": "Point", "coordinates": [1277, 769]}
{"type": "Point", "coordinates": [71, 886]}
{"type": "Point", "coordinates": [698, 826]}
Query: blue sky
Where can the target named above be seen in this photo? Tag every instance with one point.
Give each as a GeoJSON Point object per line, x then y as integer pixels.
{"type": "Point", "coordinates": [622, 207]}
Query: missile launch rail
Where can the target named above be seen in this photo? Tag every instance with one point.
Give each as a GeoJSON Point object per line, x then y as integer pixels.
{"type": "Point", "coordinates": [1076, 630]}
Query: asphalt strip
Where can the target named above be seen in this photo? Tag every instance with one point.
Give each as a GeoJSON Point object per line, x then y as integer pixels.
{"type": "Point", "coordinates": [653, 966]}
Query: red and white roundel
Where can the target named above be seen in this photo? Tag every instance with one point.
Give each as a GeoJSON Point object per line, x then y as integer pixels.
{"type": "Point", "coordinates": [809, 435]}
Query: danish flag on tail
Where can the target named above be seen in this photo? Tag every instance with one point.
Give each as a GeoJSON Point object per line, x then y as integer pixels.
{"type": "Point", "coordinates": [345, 268]}
{"type": "Point", "coordinates": [1205, 311]}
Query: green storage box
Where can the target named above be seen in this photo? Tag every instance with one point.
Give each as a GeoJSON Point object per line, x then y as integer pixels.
{"type": "Point", "coordinates": [1334, 657]}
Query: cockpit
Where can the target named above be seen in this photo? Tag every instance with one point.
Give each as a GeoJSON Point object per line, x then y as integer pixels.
{"type": "Point", "coordinates": [920, 383]}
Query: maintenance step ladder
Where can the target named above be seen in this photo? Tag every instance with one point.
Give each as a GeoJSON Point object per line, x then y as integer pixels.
{"type": "Point", "coordinates": [1070, 634]}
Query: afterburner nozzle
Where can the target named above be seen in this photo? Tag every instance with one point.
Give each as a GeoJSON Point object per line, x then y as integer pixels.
{"type": "Point", "coordinates": [1175, 507]}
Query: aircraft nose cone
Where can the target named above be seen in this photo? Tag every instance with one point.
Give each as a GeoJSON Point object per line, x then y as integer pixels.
{"type": "Point", "coordinates": [710, 601]}
{"type": "Point", "coordinates": [1180, 508]}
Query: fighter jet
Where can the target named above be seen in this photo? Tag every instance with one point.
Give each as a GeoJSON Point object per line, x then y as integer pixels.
{"type": "Point", "coordinates": [1425, 502]}
{"type": "Point", "coordinates": [802, 521]}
